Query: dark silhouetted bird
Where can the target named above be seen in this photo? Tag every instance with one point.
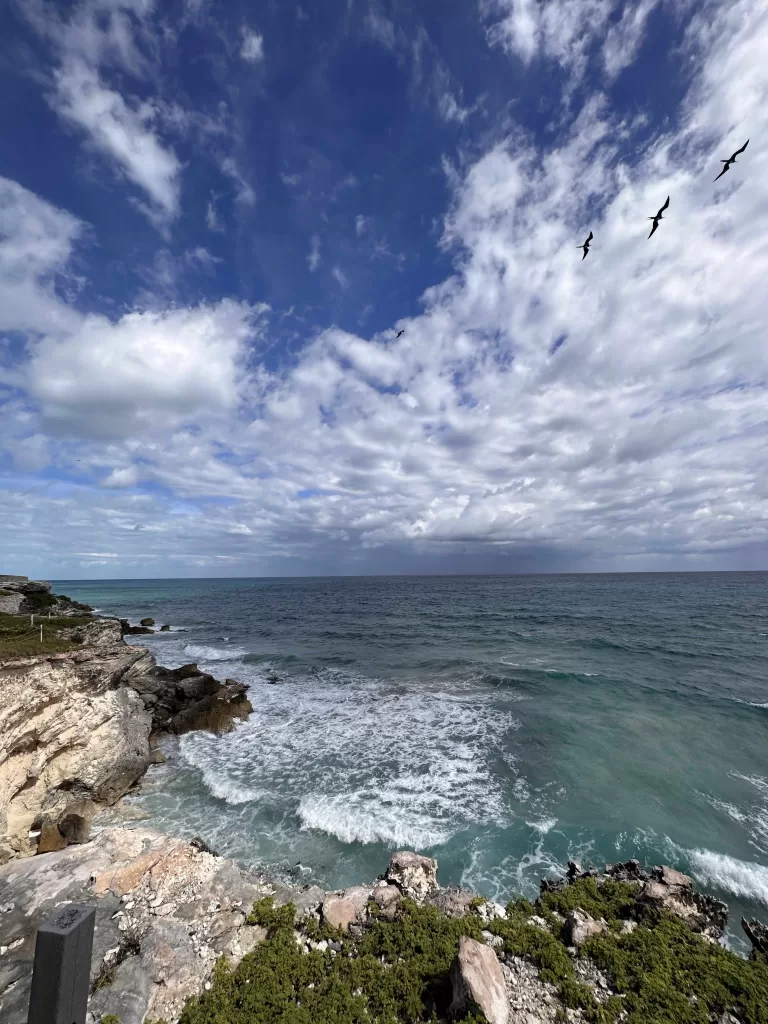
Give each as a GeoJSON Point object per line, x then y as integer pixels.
{"type": "Point", "coordinates": [658, 216]}
{"type": "Point", "coordinates": [399, 333]}
{"type": "Point", "coordinates": [731, 159]}
{"type": "Point", "coordinates": [585, 247]}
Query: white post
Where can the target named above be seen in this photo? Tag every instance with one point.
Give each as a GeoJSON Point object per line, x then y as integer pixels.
{"type": "Point", "coordinates": [41, 632]}
{"type": "Point", "coordinates": [31, 620]}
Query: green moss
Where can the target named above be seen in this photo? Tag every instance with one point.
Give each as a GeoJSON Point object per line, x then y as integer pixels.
{"type": "Point", "coordinates": [110, 1019]}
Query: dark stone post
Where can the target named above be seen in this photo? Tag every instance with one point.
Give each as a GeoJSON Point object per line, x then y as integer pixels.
{"type": "Point", "coordinates": [61, 978]}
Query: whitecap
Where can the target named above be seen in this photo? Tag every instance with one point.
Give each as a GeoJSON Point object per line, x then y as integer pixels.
{"type": "Point", "coordinates": [544, 826]}
{"type": "Point", "coordinates": [203, 653]}
{"type": "Point", "coordinates": [745, 879]}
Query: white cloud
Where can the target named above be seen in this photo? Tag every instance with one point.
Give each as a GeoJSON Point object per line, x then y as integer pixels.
{"type": "Point", "coordinates": [362, 224]}
{"type": "Point", "coordinates": [252, 48]}
{"type": "Point", "coordinates": [120, 132]}
{"type": "Point", "coordinates": [340, 277]}
{"type": "Point", "coordinates": [379, 27]}
{"type": "Point", "coordinates": [244, 193]}
{"type": "Point", "coordinates": [566, 30]}
{"type": "Point", "coordinates": [127, 477]}
{"type": "Point", "coordinates": [200, 257]}
{"type": "Point", "coordinates": [146, 372]}
{"type": "Point", "coordinates": [212, 218]}
{"type": "Point", "coordinates": [314, 253]}
{"type": "Point", "coordinates": [36, 242]}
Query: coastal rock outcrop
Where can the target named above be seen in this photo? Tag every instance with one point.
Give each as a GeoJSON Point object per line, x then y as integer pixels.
{"type": "Point", "coordinates": [414, 875]}
{"type": "Point", "coordinates": [21, 596]}
{"type": "Point", "coordinates": [165, 911]}
{"type": "Point", "coordinates": [75, 729]}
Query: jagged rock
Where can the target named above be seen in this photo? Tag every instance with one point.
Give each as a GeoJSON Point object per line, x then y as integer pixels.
{"type": "Point", "coordinates": [147, 622]}
{"type": "Point", "coordinates": [129, 630]}
{"type": "Point", "coordinates": [490, 911]}
{"type": "Point", "coordinates": [702, 914]}
{"type": "Point", "coordinates": [629, 871]}
{"type": "Point", "coordinates": [216, 712]}
{"type": "Point", "coordinates": [579, 927]}
{"type": "Point", "coordinates": [10, 602]}
{"type": "Point", "coordinates": [478, 982]}
{"type": "Point", "coordinates": [169, 907]}
{"type": "Point", "coordinates": [451, 901]}
{"type": "Point", "coordinates": [165, 628]}
{"type": "Point", "coordinates": [757, 933]}
{"type": "Point", "coordinates": [414, 875]}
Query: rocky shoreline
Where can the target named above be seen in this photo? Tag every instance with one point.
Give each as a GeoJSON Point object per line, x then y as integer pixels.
{"type": "Point", "coordinates": [78, 729]}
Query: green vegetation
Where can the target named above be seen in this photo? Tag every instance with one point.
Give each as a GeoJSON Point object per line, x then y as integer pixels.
{"type": "Point", "coordinates": [20, 639]}
{"type": "Point", "coordinates": [110, 1019]}
{"type": "Point", "coordinates": [399, 971]}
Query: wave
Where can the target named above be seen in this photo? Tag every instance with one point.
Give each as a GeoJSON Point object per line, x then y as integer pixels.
{"type": "Point", "coordinates": [361, 818]}
{"type": "Point", "coordinates": [746, 879]}
{"type": "Point", "coordinates": [203, 653]}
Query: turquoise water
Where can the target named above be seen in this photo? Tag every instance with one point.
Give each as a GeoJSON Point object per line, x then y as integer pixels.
{"type": "Point", "coordinates": [501, 724]}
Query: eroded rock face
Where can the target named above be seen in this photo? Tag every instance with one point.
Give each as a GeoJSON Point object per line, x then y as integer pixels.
{"type": "Point", "coordinates": [757, 934]}
{"type": "Point", "coordinates": [71, 739]}
{"type": "Point", "coordinates": [414, 875]}
{"type": "Point", "coordinates": [165, 911]}
{"type": "Point", "coordinates": [451, 901]}
{"type": "Point", "coordinates": [478, 981]}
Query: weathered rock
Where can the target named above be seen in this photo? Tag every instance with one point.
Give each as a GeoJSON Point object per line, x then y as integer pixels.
{"type": "Point", "coordinates": [10, 602]}
{"type": "Point", "coordinates": [147, 622]}
{"type": "Point", "coordinates": [669, 876]}
{"type": "Point", "coordinates": [388, 898]}
{"type": "Point", "coordinates": [478, 982]}
{"type": "Point", "coordinates": [451, 901]}
{"type": "Point", "coordinates": [71, 739]}
{"type": "Point", "coordinates": [579, 927]}
{"type": "Point", "coordinates": [757, 933]}
{"type": "Point", "coordinates": [702, 914]}
{"type": "Point", "coordinates": [414, 875]}
{"type": "Point", "coordinates": [629, 871]}
{"type": "Point", "coordinates": [216, 712]}
{"type": "Point", "coordinates": [165, 629]}
{"type": "Point", "coordinates": [339, 913]}
{"type": "Point", "coordinates": [172, 908]}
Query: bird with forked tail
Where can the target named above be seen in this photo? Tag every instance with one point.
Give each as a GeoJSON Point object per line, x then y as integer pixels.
{"type": "Point", "coordinates": [731, 160]}
{"type": "Point", "coordinates": [658, 216]}
{"type": "Point", "coordinates": [585, 247]}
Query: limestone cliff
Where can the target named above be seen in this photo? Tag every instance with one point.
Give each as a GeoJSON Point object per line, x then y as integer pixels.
{"type": "Point", "coordinates": [75, 730]}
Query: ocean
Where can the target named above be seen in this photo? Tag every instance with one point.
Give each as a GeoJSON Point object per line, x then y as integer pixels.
{"type": "Point", "coordinates": [502, 724]}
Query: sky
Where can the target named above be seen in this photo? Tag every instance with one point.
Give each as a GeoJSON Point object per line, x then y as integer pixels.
{"type": "Point", "coordinates": [216, 219]}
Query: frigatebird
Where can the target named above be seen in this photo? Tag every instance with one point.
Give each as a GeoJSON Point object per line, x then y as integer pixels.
{"type": "Point", "coordinates": [658, 216]}
{"type": "Point", "coordinates": [585, 247]}
{"type": "Point", "coordinates": [731, 159]}
{"type": "Point", "coordinates": [399, 333]}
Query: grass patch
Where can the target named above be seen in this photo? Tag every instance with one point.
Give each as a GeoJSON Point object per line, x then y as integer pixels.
{"type": "Point", "coordinates": [20, 639]}
{"type": "Point", "coordinates": [612, 900]}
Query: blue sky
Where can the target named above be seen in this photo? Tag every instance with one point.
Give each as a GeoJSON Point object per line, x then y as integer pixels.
{"type": "Point", "coordinates": [214, 219]}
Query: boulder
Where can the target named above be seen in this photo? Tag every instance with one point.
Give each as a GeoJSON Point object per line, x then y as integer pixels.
{"type": "Point", "coordinates": [339, 913]}
{"type": "Point", "coordinates": [414, 875]}
{"type": "Point", "coordinates": [165, 628]}
{"type": "Point", "coordinates": [478, 982]}
{"type": "Point", "coordinates": [579, 927]}
{"type": "Point", "coordinates": [147, 622]}
{"type": "Point", "coordinates": [216, 712]}
{"type": "Point", "coordinates": [387, 897]}
{"type": "Point", "coordinates": [10, 602]}
{"type": "Point", "coordinates": [451, 901]}
{"type": "Point", "coordinates": [757, 933]}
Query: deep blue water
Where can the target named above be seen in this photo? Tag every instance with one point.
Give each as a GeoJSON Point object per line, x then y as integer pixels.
{"type": "Point", "coordinates": [502, 724]}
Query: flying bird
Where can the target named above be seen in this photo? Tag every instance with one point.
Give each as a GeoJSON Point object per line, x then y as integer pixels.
{"type": "Point", "coordinates": [658, 216]}
{"type": "Point", "coordinates": [731, 159]}
{"type": "Point", "coordinates": [585, 247]}
{"type": "Point", "coordinates": [399, 333]}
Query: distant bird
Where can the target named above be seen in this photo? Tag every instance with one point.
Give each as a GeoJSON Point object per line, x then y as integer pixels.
{"type": "Point", "coordinates": [658, 216]}
{"type": "Point", "coordinates": [585, 247]}
{"type": "Point", "coordinates": [731, 159]}
{"type": "Point", "coordinates": [399, 333]}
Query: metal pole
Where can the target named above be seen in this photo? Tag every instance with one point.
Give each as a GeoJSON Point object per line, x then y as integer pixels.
{"type": "Point", "coordinates": [61, 978]}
